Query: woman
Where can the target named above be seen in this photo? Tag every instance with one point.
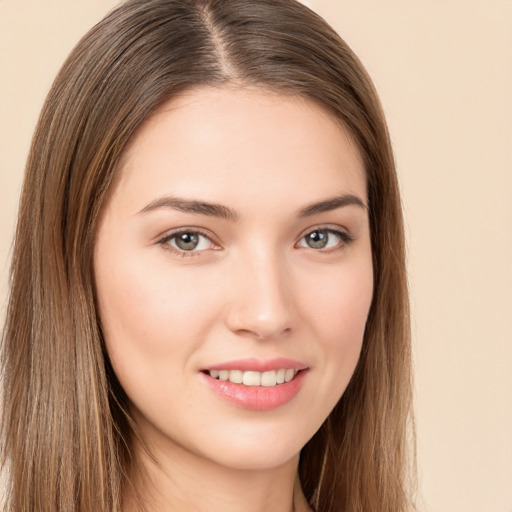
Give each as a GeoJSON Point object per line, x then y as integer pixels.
{"type": "Point", "coordinates": [208, 304]}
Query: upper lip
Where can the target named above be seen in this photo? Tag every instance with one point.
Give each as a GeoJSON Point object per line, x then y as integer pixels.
{"type": "Point", "coordinates": [258, 365]}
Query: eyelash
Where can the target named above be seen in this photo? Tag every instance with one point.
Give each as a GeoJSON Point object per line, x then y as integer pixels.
{"type": "Point", "coordinates": [345, 239]}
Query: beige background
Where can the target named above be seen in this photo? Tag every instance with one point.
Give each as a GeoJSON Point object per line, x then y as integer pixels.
{"type": "Point", "coordinates": [444, 72]}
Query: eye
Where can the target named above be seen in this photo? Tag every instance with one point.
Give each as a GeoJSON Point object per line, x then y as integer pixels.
{"type": "Point", "coordinates": [187, 242]}
{"type": "Point", "coordinates": [325, 238]}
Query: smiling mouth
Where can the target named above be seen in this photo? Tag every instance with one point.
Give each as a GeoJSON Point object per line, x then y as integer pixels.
{"type": "Point", "coordinates": [257, 385]}
{"type": "Point", "coordinates": [253, 378]}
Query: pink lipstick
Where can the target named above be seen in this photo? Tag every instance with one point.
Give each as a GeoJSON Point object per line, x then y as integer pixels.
{"type": "Point", "coordinates": [255, 384]}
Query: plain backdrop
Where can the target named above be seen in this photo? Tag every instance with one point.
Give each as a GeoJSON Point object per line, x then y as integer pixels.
{"type": "Point", "coordinates": [444, 72]}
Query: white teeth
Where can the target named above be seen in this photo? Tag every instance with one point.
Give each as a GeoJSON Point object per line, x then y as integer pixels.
{"type": "Point", "coordinates": [289, 374]}
{"type": "Point", "coordinates": [269, 378]}
{"type": "Point", "coordinates": [236, 376]}
{"type": "Point", "coordinates": [250, 378]}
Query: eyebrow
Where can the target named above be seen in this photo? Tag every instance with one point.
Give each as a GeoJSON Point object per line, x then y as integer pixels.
{"type": "Point", "coordinates": [193, 206]}
{"type": "Point", "coordinates": [333, 203]}
{"type": "Point", "coordinates": [223, 212]}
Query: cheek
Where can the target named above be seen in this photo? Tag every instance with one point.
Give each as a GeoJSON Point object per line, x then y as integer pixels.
{"type": "Point", "coordinates": [150, 317]}
{"type": "Point", "coordinates": [337, 312]}
{"type": "Point", "coordinates": [340, 302]}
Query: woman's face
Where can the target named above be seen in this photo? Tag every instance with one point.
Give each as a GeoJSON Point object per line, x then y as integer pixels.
{"type": "Point", "coordinates": [235, 245]}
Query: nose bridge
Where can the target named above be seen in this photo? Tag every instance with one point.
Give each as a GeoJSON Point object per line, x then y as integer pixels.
{"type": "Point", "coordinates": [262, 303]}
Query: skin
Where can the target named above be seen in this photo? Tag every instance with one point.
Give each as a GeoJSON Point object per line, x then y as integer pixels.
{"type": "Point", "coordinates": [254, 287]}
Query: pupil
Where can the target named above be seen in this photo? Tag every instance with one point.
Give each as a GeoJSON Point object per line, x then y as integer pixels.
{"type": "Point", "coordinates": [317, 239]}
{"type": "Point", "coordinates": [187, 241]}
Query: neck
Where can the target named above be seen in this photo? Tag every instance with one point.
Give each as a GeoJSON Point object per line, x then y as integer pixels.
{"type": "Point", "coordinates": [177, 480]}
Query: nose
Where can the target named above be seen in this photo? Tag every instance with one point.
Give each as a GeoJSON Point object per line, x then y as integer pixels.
{"type": "Point", "coordinates": [262, 303]}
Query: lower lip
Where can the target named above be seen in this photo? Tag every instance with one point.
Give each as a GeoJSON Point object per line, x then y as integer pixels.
{"type": "Point", "coordinates": [257, 398]}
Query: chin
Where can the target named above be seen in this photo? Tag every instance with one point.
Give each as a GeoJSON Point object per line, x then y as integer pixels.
{"type": "Point", "coordinates": [264, 457]}
{"type": "Point", "coordinates": [258, 448]}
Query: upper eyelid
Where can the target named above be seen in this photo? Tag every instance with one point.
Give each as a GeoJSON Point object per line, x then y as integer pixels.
{"type": "Point", "coordinates": [172, 233]}
{"type": "Point", "coordinates": [208, 234]}
{"type": "Point", "coordinates": [327, 227]}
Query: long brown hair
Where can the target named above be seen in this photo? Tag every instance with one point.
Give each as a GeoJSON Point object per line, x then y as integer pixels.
{"type": "Point", "coordinates": [66, 434]}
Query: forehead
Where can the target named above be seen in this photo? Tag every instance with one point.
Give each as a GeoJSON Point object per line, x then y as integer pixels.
{"type": "Point", "coordinates": [212, 141]}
